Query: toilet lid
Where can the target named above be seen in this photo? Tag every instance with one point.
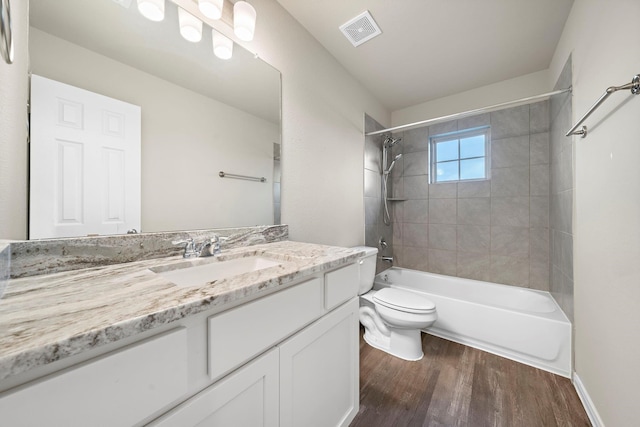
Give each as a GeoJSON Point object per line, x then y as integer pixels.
{"type": "Point", "coordinates": [399, 299]}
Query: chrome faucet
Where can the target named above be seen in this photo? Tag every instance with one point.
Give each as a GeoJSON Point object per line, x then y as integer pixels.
{"type": "Point", "coordinates": [387, 259]}
{"type": "Point", "coordinates": [208, 247]}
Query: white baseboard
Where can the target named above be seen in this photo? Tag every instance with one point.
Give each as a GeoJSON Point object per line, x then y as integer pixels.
{"type": "Point", "coordinates": [592, 412]}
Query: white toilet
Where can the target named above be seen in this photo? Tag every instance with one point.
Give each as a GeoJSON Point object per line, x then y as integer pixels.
{"type": "Point", "coordinates": [392, 317]}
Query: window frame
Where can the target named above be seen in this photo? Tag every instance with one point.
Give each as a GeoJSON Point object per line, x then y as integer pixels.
{"type": "Point", "coordinates": [458, 135]}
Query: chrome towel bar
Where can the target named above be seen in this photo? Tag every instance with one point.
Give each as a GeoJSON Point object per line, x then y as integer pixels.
{"type": "Point", "coordinates": [634, 86]}
{"type": "Point", "coordinates": [236, 176]}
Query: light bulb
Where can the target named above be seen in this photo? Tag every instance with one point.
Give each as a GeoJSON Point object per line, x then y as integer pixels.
{"type": "Point", "coordinates": [152, 9]}
{"type": "Point", "coordinates": [244, 20]}
{"type": "Point", "coordinates": [222, 45]}
{"type": "Point", "coordinates": [211, 8]}
{"type": "Point", "coordinates": [190, 26]}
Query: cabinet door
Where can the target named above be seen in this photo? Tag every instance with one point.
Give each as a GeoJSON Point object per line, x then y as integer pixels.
{"type": "Point", "coordinates": [319, 371]}
{"type": "Point", "coordinates": [246, 397]}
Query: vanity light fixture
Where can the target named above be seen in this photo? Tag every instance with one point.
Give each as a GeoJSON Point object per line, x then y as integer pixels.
{"type": "Point", "coordinates": [190, 26]}
{"type": "Point", "coordinates": [152, 9]}
{"type": "Point", "coordinates": [222, 45]}
{"type": "Point", "coordinates": [211, 8]}
{"type": "Point", "coordinates": [244, 20]}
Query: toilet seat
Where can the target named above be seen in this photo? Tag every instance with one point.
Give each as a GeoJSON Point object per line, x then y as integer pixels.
{"type": "Point", "coordinates": [398, 299]}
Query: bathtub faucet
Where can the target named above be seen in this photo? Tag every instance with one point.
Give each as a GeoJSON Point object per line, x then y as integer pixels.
{"type": "Point", "coordinates": [388, 259]}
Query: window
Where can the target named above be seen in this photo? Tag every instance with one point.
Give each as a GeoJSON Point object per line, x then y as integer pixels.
{"type": "Point", "coordinates": [460, 156]}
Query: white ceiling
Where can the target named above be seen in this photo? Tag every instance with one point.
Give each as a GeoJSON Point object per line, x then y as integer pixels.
{"type": "Point", "coordinates": [434, 48]}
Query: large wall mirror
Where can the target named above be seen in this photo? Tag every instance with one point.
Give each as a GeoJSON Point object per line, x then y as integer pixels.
{"type": "Point", "coordinates": [199, 114]}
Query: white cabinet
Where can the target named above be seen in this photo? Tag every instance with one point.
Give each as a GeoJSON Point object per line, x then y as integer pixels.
{"type": "Point", "coordinates": [242, 333]}
{"type": "Point", "coordinates": [311, 379]}
{"type": "Point", "coordinates": [118, 389]}
{"type": "Point", "coordinates": [287, 359]}
{"type": "Point", "coordinates": [247, 397]}
{"type": "Point", "coordinates": [319, 371]}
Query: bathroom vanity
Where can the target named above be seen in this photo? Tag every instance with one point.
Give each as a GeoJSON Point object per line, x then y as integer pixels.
{"type": "Point", "coordinates": [120, 345]}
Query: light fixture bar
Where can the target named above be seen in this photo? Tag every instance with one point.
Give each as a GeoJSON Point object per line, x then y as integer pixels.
{"type": "Point", "coordinates": [244, 20]}
{"type": "Point", "coordinates": [190, 26]}
{"type": "Point", "coordinates": [152, 9]}
{"type": "Point", "coordinates": [211, 8]}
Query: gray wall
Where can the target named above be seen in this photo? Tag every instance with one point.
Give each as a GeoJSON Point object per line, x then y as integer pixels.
{"type": "Point", "coordinates": [561, 223]}
{"type": "Point", "coordinates": [495, 230]}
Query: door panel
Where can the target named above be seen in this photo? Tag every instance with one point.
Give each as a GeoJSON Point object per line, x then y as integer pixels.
{"type": "Point", "coordinates": [85, 162]}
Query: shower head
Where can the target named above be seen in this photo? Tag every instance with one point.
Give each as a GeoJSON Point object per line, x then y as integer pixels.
{"type": "Point", "coordinates": [389, 141]}
{"type": "Point", "coordinates": [393, 163]}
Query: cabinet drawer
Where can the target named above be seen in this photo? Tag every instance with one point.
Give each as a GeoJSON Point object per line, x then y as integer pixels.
{"type": "Point", "coordinates": [239, 334]}
{"type": "Point", "coordinates": [340, 286]}
{"type": "Point", "coordinates": [119, 389]}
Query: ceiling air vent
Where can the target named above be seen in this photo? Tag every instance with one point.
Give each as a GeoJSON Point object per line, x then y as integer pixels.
{"type": "Point", "coordinates": [360, 29]}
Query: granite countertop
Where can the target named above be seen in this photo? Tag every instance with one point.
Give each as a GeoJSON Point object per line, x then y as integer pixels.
{"type": "Point", "coordinates": [49, 317]}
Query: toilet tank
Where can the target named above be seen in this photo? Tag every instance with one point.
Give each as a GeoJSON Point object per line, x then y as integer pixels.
{"type": "Point", "coordinates": [367, 264]}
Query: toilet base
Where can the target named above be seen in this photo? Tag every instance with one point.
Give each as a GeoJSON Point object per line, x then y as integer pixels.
{"type": "Point", "coordinates": [402, 343]}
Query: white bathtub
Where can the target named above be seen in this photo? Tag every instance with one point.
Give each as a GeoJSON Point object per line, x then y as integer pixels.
{"type": "Point", "coordinates": [520, 324]}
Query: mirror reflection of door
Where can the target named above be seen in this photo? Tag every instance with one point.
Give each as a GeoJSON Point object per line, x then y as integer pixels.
{"type": "Point", "coordinates": [84, 162]}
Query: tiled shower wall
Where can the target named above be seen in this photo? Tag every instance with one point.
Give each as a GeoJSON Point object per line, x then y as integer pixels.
{"type": "Point", "coordinates": [561, 224]}
{"type": "Point", "coordinates": [374, 224]}
{"type": "Point", "coordinates": [495, 230]}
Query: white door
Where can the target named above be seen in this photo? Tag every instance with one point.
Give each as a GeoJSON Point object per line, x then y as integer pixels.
{"type": "Point", "coordinates": [85, 162]}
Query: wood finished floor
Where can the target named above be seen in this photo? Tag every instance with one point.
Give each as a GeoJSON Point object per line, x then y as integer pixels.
{"type": "Point", "coordinates": [455, 385]}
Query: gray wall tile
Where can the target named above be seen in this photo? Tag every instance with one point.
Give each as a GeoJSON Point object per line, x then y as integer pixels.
{"type": "Point", "coordinates": [414, 258]}
{"type": "Point", "coordinates": [442, 128]}
{"type": "Point", "coordinates": [474, 266]}
{"type": "Point", "coordinates": [443, 262]}
{"type": "Point", "coordinates": [415, 140]}
{"type": "Point", "coordinates": [415, 235]}
{"type": "Point", "coordinates": [509, 270]}
{"type": "Point", "coordinates": [372, 184]}
{"type": "Point", "coordinates": [539, 211]}
{"type": "Point", "coordinates": [416, 211]}
{"type": "Point", "coordinates": [442, 211]}
{"type": "Point", "coordinates": [539, 245]}
{"type": "Point", "coordinates": [510, 211]}
{"type": "Point", "coordinates": [373, 153]}
{"type": "Point", "coordinates": [416, 187]}
{"type": "Point", "coordinates": [476, 121]}
{"type": "Point", "coordinates": [474, 189]}
{"type": "Point", "coordinates": [510, 122]}
{"type": "Point", "coordinates": [510, 152]}
{"type": "Point", "coordinates": [371, 235]}
{"type": "Point", "coordinates": [510, 241]}
{"type": "Point", "coordinates": [443, 191]}
{"type": "Point", "coordinates": [396, 186]}
{"type": "Point", "coordinates": [372, 210]}
{"type": "Point", "coordinates": [539, 148]}
{"type": "Point", "coordinates": [507, 182]}
{"type": "Point", "coordinates": [475, 211]}
{"type": "Point", "coordinates": [474, 238]}
{"type": "Point", "coordinates": [539, 180]}
{"type": "Point", "coordinates": [539, 117]}
{"type": "Point", "coordinates": [539, 276]}
{"type": "Point", "coordinates": [416, 163]}
{"type": "Point", "coordinates": [442, 236]}
{"type": "Point", "coordinates": [496, 229]}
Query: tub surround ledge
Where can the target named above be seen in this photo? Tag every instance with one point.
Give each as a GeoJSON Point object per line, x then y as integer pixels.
{"type": "Point", "coordinates": [49, 317]}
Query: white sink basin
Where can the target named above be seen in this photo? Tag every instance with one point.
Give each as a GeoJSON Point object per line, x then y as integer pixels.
{"type": "Point", "coordinates": [198, 275]}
